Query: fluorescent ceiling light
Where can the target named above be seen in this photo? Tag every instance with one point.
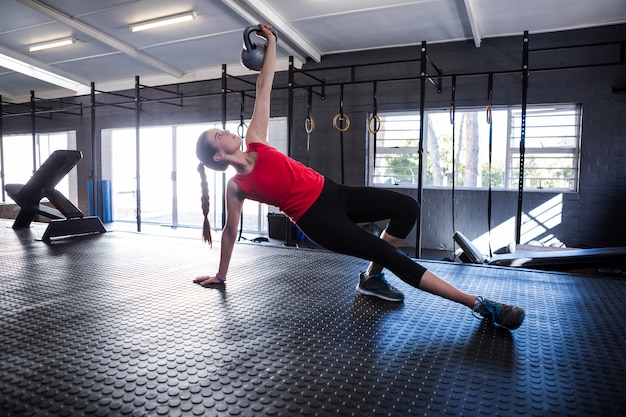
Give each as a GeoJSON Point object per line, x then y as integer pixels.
{"type": "Point", "coordinates": [168, 20]}
{"type": "Point", "coordinates": [40, 74]}
{"type": "Point", "coordinates": [51, 44]}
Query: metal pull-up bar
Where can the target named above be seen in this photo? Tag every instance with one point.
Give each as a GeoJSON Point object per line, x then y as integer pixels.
{"type": "Point", "coordinates": [522, 140]}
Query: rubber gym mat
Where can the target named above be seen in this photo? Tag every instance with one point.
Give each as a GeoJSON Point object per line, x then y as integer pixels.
{"type": "Point", "coordinates": [112, 325]}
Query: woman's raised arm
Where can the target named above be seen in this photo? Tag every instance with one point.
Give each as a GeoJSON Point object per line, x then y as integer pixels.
{"type": "Point", "coordinates": [257, 131]}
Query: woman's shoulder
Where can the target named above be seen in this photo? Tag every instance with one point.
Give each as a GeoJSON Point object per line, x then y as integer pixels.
{"type": "Point", "coordinates": [254, 146]}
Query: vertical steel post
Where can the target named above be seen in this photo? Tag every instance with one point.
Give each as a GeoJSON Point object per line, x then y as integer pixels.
{"type": "Point", "coordinates": [290, 108]}
{"type": "Point", "coordinates": [138, 150]}
{"type": "Point", "coordinates": [2, 150]}
{"type": "Point", "coordinates": [289, 231]}
{"type": "Point", "coordinates": [174, 177]}
{"type": "Point", "coordinates": [224, 110]}
{"type": "Point", "coordinates": [94, 158]}
{"type": "Point", "coordinates": [343, 176]}
{"type": "Point", "coordinates": [420, 150]}
{"type": "Point", "coordinates": [522, 140]}
{"type": "Point", "coordinates": [33, 129]}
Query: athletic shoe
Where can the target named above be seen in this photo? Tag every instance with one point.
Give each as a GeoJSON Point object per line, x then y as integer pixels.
{"type": "Point", "coordinates": [377, 286]}
{"type": "Point", "coordinates": [509, 317]}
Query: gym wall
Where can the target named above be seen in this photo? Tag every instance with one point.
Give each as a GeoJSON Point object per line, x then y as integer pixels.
{"type": "Point", "coordinates": [595, 216]}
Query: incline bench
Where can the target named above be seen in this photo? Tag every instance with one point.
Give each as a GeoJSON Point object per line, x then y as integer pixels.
{"type": "Point", "coordinates": [552, 260]}
{"type": "Point", "coordinates": [66, 219]}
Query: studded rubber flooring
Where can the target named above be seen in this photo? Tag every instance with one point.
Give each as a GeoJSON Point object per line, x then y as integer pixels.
{"type": "Point", "coordinates": [112, 325]}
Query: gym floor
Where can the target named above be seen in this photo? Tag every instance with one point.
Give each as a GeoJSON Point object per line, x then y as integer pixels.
{"type": "Point", "coordinates": [112, 325]}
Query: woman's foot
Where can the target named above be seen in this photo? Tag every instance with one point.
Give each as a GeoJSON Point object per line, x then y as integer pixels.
{"type": "Point", "coordinates": [377, 286]}
{"type": "Point", "coordinates": [507, 316]}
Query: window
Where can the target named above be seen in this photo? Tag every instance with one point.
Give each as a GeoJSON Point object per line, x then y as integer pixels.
{"type": "Point", "coordinates": [170, 184]}
{"type": "Point", "coordinates": [395, 160]}
{"type": "Point", "coordinates": [18, 159]}
{"type": "Point", "coordinates": [551, 147]}
{"type": "Point", "coordinates": [461, 155]}
{"type": "Point", "coordinates": [470, 152]}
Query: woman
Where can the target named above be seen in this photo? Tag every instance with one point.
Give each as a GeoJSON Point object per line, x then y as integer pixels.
{"type": "Point", "coordinates": [327, 213]}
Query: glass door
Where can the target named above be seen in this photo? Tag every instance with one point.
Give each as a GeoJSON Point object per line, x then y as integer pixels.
{"type": "Point", "coordinates": [155, 159]}
{"type": "Point", "coordinates": [169, 180]}
{"type": "Point", "coordinates": [187, 180]}
{"type": "Point", "coordinates": [119, 166]}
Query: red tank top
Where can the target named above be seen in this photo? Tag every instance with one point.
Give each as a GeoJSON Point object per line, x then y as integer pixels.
{"type": "Point", "coordinates": [280, 181]}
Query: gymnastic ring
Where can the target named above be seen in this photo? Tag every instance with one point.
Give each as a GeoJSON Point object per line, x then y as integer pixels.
{"type": "Point", "coordinates": [241, 126]}
{"type": "Point", "coordinates": [451, 113]}
{"type": "Point", "coordinates": [309, 124]}
{"type": "Point", "coordinates": [341, 116]}
{"type": "Point", "coordinates": [489, 110]}
{"type": "Point", "coordinates": [376, 120]}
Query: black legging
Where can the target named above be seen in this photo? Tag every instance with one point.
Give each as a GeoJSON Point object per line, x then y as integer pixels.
{"type": "Point", "coordinates": [331, 222]}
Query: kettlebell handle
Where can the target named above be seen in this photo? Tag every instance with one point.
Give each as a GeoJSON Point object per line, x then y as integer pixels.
{"type": "Point", "coordinates": [248, 31]}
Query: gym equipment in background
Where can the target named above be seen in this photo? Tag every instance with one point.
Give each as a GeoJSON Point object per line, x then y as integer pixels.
{"type": "Point", "coordinates": [544, 258]}
{"type": "Point", "coordinates": [66, 219]}
{"type": "Point", "coordinates": [341, 122]}
{"type": "Point", "coordinates": [309, 125]}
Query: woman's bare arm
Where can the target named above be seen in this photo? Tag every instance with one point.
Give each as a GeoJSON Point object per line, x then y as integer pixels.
{"type": "Point", "coordinates": [257, 131]}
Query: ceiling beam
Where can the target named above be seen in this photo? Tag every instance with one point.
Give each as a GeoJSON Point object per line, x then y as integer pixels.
{"type": "Point", "coordinates": [474, 20]}
{"type": "Point", "coordinates": [257, 11]}
{"type": "Point", "coordinates": [36, 69]}
{"type": "Point", "coordinates": [102, 37]}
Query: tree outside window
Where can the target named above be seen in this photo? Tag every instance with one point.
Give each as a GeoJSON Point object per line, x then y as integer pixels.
{"type": "Point", "coordinates": [459, 155]}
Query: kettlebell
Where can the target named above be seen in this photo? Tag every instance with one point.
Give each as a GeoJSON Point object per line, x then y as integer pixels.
{"type": "Point", "coordinates": [252, 55]}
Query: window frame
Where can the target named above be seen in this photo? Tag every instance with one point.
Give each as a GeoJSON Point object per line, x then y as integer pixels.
{"type": "Point", "coordinates": [511, 158]}
{"type": "Point", "coordinates": [255, 213]}
{"type": "Point", "coordinates": [513, 152]}
{"type": "Point", "coordinates": [409, 150]}
{"type": "Point", "coordinates": [38, 152]}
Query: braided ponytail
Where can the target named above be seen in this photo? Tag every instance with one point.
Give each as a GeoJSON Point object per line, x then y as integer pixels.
{"type": "Point", "coordinates": [205, 153]}
{"type": "Point", "coordinates": [206, 226]}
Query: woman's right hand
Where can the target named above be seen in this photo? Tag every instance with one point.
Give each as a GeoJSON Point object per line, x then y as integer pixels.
{"type": "Point", "coordinates": [266, 32]}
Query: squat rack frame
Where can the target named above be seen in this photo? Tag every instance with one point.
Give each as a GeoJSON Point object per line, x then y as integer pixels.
{"type": "Point", "coordinates": [35, 109]}
{"type": "Point", "coordinates": [424, 77]}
